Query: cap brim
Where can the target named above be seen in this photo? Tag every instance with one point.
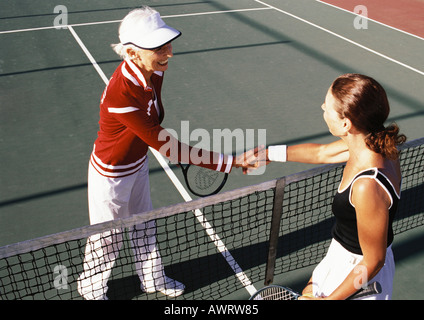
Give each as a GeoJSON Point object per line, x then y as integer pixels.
{"type": "Point", "coordinates": [158, 38]}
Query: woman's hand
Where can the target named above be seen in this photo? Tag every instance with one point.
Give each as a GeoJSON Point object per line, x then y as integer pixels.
{"type": "Point", "coordinates": [251, 160]}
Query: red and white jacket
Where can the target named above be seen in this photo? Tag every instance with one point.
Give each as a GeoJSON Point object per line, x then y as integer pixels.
{"type": "Point", "coordinates": [130, 122]}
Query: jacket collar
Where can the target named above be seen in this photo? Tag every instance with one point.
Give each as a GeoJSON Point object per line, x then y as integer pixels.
{"type": "Point", "coordinates": [134, 74]}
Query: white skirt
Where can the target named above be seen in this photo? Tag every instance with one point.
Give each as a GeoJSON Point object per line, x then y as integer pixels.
{"type": "Point", "coordinates": [337, 265]}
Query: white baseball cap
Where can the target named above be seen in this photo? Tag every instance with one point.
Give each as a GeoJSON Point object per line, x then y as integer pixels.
{"type": "Point", "coordinates": [146, 30]}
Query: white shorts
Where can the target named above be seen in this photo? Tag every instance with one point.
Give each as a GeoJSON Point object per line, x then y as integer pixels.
{"type": "Point", "coordinates": [337, 265]}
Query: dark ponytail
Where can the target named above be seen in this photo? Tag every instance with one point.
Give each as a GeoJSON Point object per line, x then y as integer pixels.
{"type": "Point", "coordinates": [364, 102]}
{"type": "Point", "coordinates": [385, 142]}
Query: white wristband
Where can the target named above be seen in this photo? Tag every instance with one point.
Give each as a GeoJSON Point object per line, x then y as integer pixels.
{"type": "Point", "coordinates": [277, 153]}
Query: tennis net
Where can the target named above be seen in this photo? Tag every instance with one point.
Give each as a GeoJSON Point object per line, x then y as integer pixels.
{"type": "Point", "coordinates": [214, 245]}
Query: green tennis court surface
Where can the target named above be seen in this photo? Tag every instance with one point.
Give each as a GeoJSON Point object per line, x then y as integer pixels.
{"type": "Point", "coordinates": [239, 65]}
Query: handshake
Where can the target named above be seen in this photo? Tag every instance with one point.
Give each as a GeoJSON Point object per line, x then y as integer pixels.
{"type": "Point", "coordinates": [259, 157]}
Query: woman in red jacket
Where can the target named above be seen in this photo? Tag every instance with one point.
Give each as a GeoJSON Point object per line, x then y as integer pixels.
{"type": "Point", "coordinates": [131, 112]}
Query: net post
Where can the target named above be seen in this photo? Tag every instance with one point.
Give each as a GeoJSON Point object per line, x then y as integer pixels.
{"type": "Point", "coordinates": [275, 230]}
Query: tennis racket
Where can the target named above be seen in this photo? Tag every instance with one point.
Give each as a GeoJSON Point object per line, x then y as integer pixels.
{"type": "Point", "coordinates": [201, 181]}
{"type": "Point", "coordinates": [275, 292]}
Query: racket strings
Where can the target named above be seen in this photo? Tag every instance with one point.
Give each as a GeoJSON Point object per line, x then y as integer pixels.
{"type": "Point", "coordinates": [204, 179]}
{"type": "Point", "coordinates": [276, 293]}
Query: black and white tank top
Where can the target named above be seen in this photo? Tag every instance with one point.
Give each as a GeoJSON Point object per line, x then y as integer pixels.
{"type": "Point", "coordinates": [345, 228]}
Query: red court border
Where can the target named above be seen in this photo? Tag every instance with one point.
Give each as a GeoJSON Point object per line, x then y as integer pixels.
{"type": "Point", "coordinates": [405, 15]}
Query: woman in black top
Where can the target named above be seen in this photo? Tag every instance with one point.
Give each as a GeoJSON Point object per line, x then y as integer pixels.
{"type": "Point", "coordinates": [355, 110]}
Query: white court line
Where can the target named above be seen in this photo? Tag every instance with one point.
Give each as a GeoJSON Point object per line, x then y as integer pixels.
{"type": "Point", "coordinates": [208, 228]}
{"type": "Point", "coordinates": [89, 56]}
{"type": "Point", "coordinates": [118, 21]}
{"type": "Point", "coordinates": [375, 21]}
{"type": "Point", "coordinates": [344, 38]}
{"type": "Point", "coordinates": [25, 30]}
{"type": "Point", "coordinates": [198, 214]}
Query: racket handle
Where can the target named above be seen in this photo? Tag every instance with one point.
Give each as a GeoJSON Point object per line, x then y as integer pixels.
{"type": "Point", "coordinates": [372, 288]}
